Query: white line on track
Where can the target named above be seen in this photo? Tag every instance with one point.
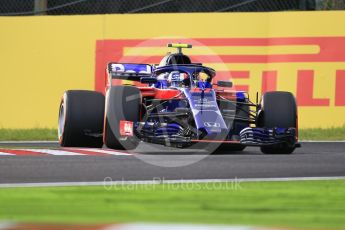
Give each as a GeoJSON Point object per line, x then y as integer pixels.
{"type": "Point", "coordinates": [63, 152]}
{"type": "Point", "coordinates": [53, 152]}
{"type": "Point", "coordinates": [159, 181]}
{"type": "Point", "coordinates": [110, 152]}
{"type": "Point", "coordinates": [6, 154]}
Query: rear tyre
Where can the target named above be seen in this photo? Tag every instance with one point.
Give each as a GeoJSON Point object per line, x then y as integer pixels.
{"type": "Point", "coordinates": [81, 117]}
{"type": "Point", "coordinates": [123, 103]}
{"type": "Point", "coordinates": [278, 109]}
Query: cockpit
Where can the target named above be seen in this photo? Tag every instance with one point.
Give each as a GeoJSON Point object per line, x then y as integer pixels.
{"type": "Point", "coordinates": [176, 70]}
{"type": "Point", "coordinates": [184, 79]}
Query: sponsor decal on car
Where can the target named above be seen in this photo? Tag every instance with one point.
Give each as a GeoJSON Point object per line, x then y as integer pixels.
{"type": "Point", "coordinates": [126, 128]}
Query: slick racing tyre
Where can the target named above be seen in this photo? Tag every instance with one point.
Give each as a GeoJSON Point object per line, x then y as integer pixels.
{"type": "Point", "coordinates": [278, 109]}
{"type": "Point", "coordinates": [81, 117]}
{"type": "Point", "coordinates": [123, 104]}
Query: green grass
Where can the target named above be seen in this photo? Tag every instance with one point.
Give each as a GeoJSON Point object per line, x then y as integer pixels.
{"type": "Point", "coordinates": [51, 134]}
{"type": "Point", "coordinates": [322, 134]}
{"type": "Point", "coordinates": [303, 204]}
{"type": "Point", "coordinates": [28, 134]}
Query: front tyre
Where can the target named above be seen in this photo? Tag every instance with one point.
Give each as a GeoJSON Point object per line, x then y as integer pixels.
{"type": "Point", "coordinates": [81, 117]}
{"type": "Point", "coordinates": [278, 109]}
{"type": "Point", "coordinates": [123, 103]}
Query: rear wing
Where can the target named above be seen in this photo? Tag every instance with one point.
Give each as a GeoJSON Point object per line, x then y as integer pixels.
{"type": "Point", "coordinates": [129, 71]}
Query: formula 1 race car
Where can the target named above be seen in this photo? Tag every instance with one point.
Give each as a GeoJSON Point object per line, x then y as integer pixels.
{"type": "Point", "coordinates": [177, 103]}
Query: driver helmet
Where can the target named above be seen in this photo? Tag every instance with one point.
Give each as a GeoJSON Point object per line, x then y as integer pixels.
{"type": "Point", "coordinates": [177, 79]}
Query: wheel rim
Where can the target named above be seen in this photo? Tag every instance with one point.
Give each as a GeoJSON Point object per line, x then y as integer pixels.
{"type": "Point", "coordinates": [61, 121]}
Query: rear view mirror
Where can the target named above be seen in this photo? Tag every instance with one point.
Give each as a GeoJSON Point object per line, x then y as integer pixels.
{"type": "Point", "coordinates": [148, 80]}
{"type": "Point", "coordinates": [224, 84]}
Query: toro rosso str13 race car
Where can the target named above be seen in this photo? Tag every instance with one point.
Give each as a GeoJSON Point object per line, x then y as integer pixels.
{"type": "Point", "coordinates": [177, 103]}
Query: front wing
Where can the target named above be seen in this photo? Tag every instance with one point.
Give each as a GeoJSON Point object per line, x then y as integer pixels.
{"type": "Point", "coordinates": [268, 136]}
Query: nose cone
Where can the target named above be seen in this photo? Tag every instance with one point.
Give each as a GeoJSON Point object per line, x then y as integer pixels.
{"type": "Point", "coordinates": [207, 116]}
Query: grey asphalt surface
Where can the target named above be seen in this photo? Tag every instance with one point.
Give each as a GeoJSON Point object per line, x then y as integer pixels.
{"type": "Point", "coordinates": [312, 160]}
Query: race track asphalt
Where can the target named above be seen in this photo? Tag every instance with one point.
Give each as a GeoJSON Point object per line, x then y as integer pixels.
{"type": "Point", "coordinates": [312, 160]}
